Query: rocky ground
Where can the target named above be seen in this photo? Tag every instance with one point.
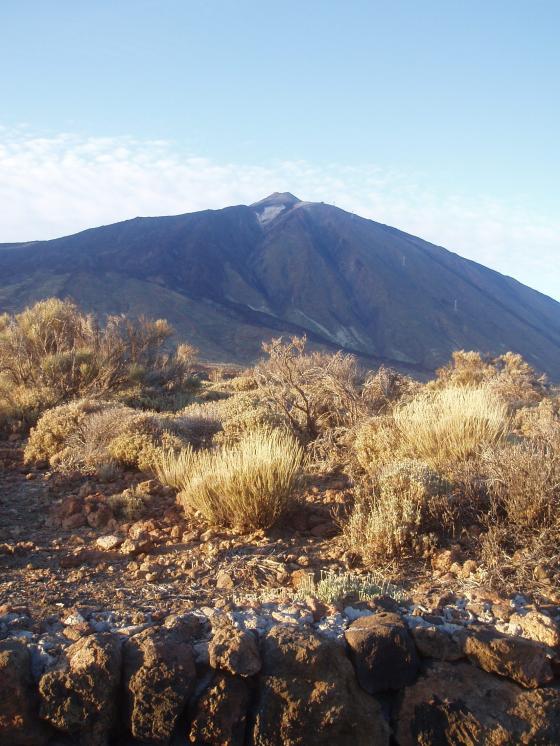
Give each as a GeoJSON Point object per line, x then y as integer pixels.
{"type": "Point", "coordinates": [226, 619]}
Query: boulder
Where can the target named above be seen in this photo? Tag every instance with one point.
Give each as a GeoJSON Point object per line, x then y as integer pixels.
{"type": "Point", "coordinates": [434, 642]}
{"type": "Point", "coordinates": [308, 694]}
{"type": "Point", "coordinates": [383, 652]}
{"type": "Point", "coordinates": [234, 651]}
{"type": "Point", "coordinates": [78, 696]}
{"type": "Point", "coordinates": [221, 713]}
{"type": "Point", "coordinates": [516, 658]}
{"type": "Point", "coordinates": [98, 513]}
{"type": "Point", "coordinates": [538, 627]}
{"type": "Point", "coordinates": [159, 676]}
{"type": "Point", "coordinates": [460, 705]}
{"type": "Point", "coordinates": [19, 704]}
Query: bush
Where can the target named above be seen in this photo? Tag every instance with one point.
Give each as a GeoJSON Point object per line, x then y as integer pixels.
{"type": "Point", "coordinates": [312, 391]}
{"type": "Point", "coordinates": [58, 353]}
{"type": "Point", "coordinates": [384, 388]}
{"type": "Point", "coordinates": [452, 425]}
{"type": "Point", "coordinates": [249, 485]}
{"type": "Point", "coordinates": [88, 435]}
{"type": "Point", "coordinates": [524, 521]}
{"type": "Point", "coordinates": [508, 375]}
{"type": "Point", "coordinates": [244, 413]}
{"type": "Point", "coordinates": [130, 505]}
{"type": "Point", "coordinates": [397, 512]}
{"type": "Point", "coordinates": [376, 442]}
{"type": "Point", "coordinates": [48, 439]}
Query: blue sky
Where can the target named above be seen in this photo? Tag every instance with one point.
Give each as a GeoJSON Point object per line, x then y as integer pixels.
{"type": "Point", "coordinates": [439, 117]}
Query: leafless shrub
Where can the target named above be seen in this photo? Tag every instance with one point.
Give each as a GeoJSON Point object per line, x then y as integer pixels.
{"type": "Point", "coordinates": [523, 526]}
{"type": "Point", "coordinates": [313, 391]}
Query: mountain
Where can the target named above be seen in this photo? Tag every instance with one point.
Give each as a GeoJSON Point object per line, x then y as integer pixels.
{"type": "Point", "coordinates": [229, 278]}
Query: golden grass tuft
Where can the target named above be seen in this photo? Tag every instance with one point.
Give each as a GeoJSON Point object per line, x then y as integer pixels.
{"type": "Point", "coordinates": [451, 425]}
{"type": "Point", "coordinates": [248, 485]}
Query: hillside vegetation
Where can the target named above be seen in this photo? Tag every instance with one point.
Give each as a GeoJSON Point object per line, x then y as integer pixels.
{"type": "Point", "coordinates": [472, 456]}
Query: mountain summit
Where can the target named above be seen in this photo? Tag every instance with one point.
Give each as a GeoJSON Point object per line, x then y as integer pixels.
{"type": "Point", "coordinates": [229, 278]}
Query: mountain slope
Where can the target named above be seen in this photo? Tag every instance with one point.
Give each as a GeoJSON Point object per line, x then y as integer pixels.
{"type": "Point", "coordinates": [229, 278]}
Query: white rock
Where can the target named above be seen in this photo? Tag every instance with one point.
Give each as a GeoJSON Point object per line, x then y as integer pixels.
{"type": "Point", "coordinates": [73, 619]}
{"type": "Point", "coordinates": [111, 541]}
{"type": "Point", "coordinates": [352, 614]}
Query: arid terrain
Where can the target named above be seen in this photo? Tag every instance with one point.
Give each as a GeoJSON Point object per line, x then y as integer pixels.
{"type": "Point", "coordinates": [215, 549]}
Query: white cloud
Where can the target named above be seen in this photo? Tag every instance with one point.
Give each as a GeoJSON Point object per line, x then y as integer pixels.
{"type": "Point", "coordinates": [53, 186]}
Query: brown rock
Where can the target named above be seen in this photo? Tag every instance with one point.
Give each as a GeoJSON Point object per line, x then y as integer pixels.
{"type": "Point", "coordinates": [159, 675]}
{"type": "Point", "coordinates": [221, 713]}
{"type": "Point", "coordinates": [77, 520]}
{"type": "Point", "coordinates": [383, 652]}
{"type": "Point", "coordinates": [141, 529]}
{"type": "Point", "coordinates": [19, 704]}
{"type": "Point", "coordinates": [234, 651]}
{"type": "Point", "coordinates": [458, 704]}
{"type": "Point", "coordinates": [224, 581]}
{"type": "Point", "coordinates": [98, 513]}
{"type": "Point", "coordinates": [516, 658]}
{"type": "Point", "coordinates": [445, 559]}
{"type": "Point", "coordinates": [77, 631]}
{"type": "Point", "coordinates": [538, 627]}
{"type": "Point", "coordinates": [298, 520]}
{"type": "Point", "coordinates": [132, 547]}
{"type": "Point", "coordinates": [308, 694]}
{"type": "Point", "coordinates": [79, 695]}
{"type": "Point", "coordinates": [324, 530]}
{"type": "Point", "coordinates": [301, 578]}
{"type": "Point", "coordinates": [433, 642]}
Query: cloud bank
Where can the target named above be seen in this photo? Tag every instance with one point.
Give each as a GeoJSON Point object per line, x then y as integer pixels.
{"type": "Point", "coordinates": [57, 185]}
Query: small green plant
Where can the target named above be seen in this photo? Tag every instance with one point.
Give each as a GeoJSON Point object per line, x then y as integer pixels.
{"type": "Point", "coordinates": [130, 505]}
{"type": "Point", "coordinates": [332, 587]}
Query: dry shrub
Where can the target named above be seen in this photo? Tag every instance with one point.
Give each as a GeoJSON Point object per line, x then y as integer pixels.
{"type": "Point", "coordinates": [124, 436]}
{"type": "Point", "coordinates": [523, 538]}
{"type": "Point", "coordinates": [384, 388]}
{"type": "Point", "coordinates": [20, 406]}
{"type": "Point", "coordinates": [48, 439]}
{"type": "Point", "coordinates": [509, 375]}
{"type": "Point", "coordinates": [249, 485]}
{"type": "Point", "coordinates": [59, 353]}
{"type": "Point", "coordinates": [201, 421]}
{"type": "Point", "coordinates": [451, 425]}
{"type": "Point", "coordinates": [312, 391]}
{"type": "Point", "coordinates": [130, 505]}
{"type": "Point", "coordinates": [541, 422]}
{"type": "Point", "coordinates": [376, 442]}
{"type": "Point", "coordinates": [244, 413]}
{"type": "Point", "coordinates": [395, 512]}
{"type": "Point", "coordinates": [89, 435]}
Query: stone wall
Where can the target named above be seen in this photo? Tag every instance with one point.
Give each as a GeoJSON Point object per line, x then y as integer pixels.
{"type": "Point", "coordinates": [190, 680]}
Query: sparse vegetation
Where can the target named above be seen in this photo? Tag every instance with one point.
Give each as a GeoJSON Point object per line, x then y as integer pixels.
{"type": "Point", "coordinates": [130, 505]}
{"type": "Point", "coordinates": [471, 456]}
